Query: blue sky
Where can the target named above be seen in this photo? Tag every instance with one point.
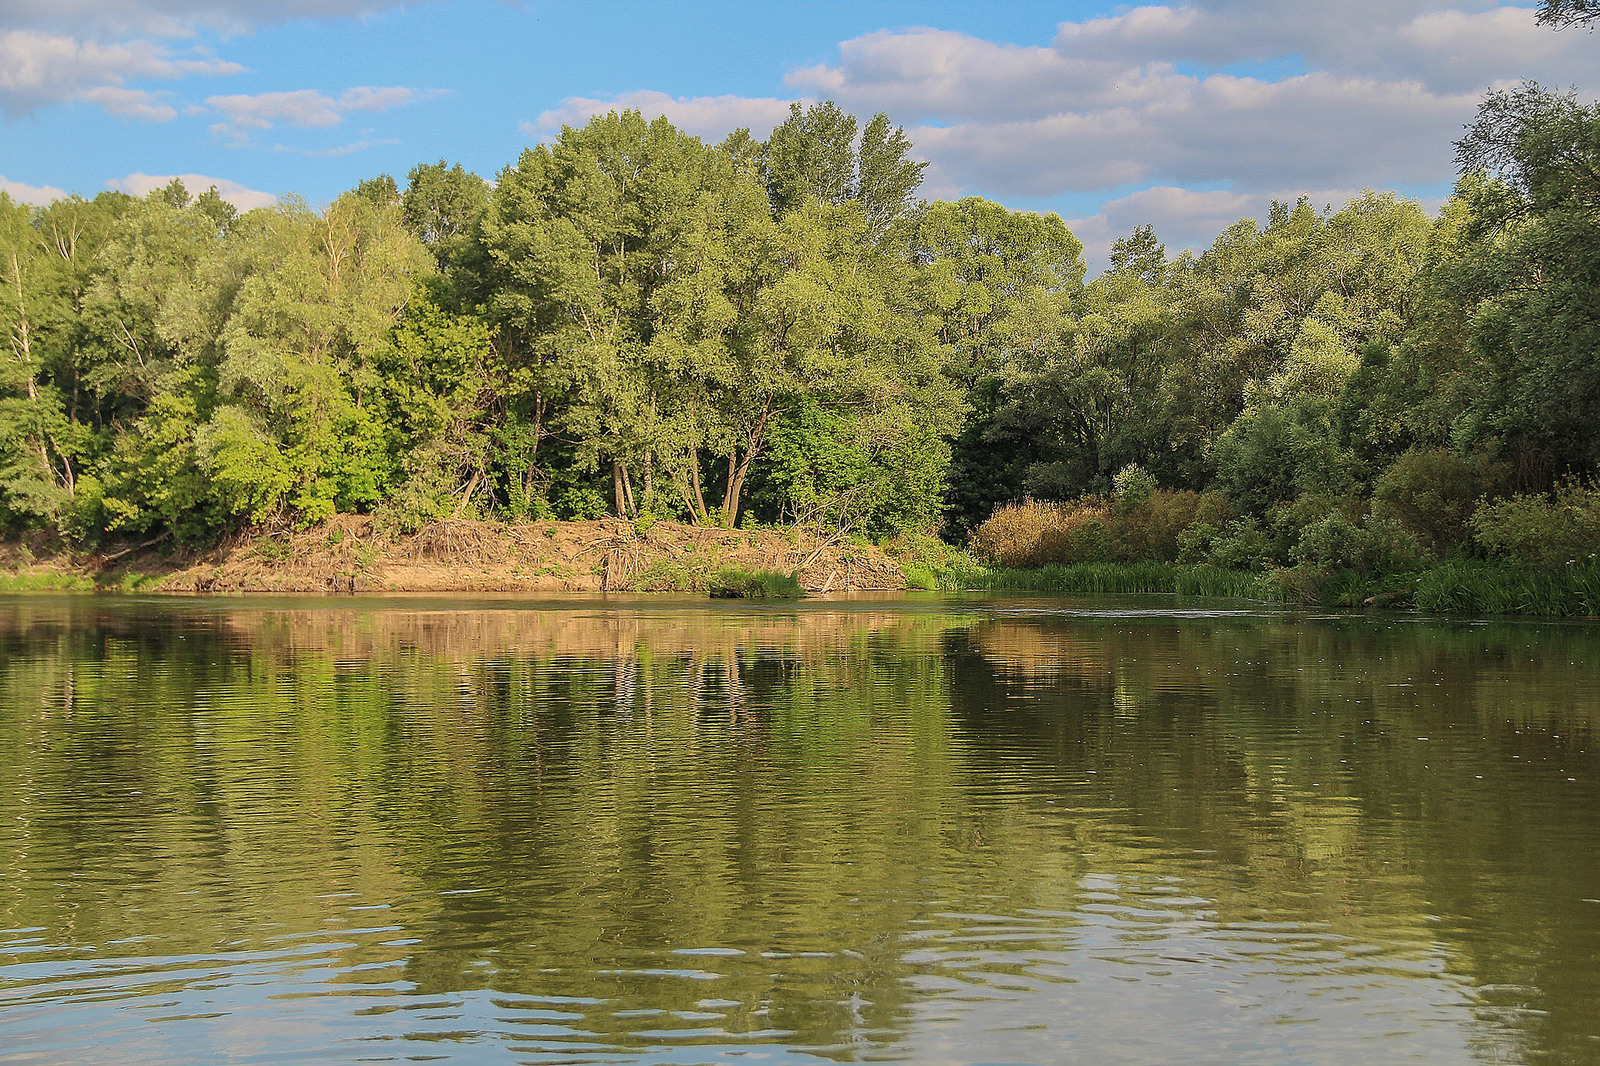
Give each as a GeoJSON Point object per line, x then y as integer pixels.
{"type": "Point", "coordinates": [1183, 115]}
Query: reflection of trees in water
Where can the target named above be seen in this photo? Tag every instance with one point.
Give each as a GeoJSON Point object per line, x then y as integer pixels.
{"type": "Point", "coordinates": [613, 786]}
{"type": "Point", "coordinates": [798, 783]}
{"type": "Point", "coordinates": [1407, 783]}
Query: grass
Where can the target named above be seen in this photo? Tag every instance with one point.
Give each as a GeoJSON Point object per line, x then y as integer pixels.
{"type": "Point", "coordinates": [1487, 588]}
{"type": "Point", "coordinates": [1116, 579]}
{"type": "Point", "coordinates": [1459, 587]}
{"type": "Point", "coordinates": [21, 581]}
{"type": "Point", "coordinates": [45, 581]}
{"type": "Point", "coordinates": [731, 583]}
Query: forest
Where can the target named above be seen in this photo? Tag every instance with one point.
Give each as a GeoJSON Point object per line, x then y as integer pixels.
{"type": "Point", "coordinates": [629, 321]}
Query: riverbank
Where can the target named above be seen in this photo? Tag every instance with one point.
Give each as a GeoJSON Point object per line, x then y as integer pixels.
{"type": "Point", "coordinates": [1452, 587]}
{"type": "Point", "coordinates": [349, 554]}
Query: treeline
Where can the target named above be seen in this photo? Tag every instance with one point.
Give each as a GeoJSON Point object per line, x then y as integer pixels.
{"type": "Point", "coordinates": [630, 321]}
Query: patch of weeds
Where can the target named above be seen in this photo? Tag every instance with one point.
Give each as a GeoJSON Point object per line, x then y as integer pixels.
{"type": "Point", "coordinates": [731, 583]}
{"type": "Point", "coordinates": [45, 581]}
{"type": "Point", "coordinates": [271, 550]}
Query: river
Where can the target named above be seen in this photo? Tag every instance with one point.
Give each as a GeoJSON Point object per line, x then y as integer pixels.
{"type": "Point", "coordinates": [914, 829]}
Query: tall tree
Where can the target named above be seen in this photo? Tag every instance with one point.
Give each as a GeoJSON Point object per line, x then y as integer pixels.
{"type": "Point", "coordinates": [1568, 12]}
{"type": "Point", "coordinates": [1531, 275]}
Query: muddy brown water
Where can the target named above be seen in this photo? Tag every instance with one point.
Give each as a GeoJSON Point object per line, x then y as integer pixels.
{"type": "Point", "coordinates": [902, 829]}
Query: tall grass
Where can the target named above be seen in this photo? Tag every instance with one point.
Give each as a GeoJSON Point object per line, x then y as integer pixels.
{"type": "Point", "coordinates": [1487, 588]}
{"type": "Point", "coordinates": [19, 581]}
{"type": "Point", "coordinates": [1115, 579]}
{"type": "Point", "coordinates": [735, 584]}
{"type": "Point", "coordinates": [45, 581]}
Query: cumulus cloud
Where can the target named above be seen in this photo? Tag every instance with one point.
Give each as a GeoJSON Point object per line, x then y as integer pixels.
{"type": "Point", "coordinates": [1192, 218]}
{"type": "Point", "coordinates": [306, 108]}
{"type": "Point", "coordinates": [54, 51]}
{"type": "Point", "coordinates": [245, 199]}
{"type": "Point", "coordinates": [709, 117]}
{"type": "Point", "coordinates": [39, 68]}
{"type": "Point", "coordinates": [1375, 92]}
{"type": "Point", "coordinates": [1449, 47]}
{"type": "Point", "coordinates": [24, 193]}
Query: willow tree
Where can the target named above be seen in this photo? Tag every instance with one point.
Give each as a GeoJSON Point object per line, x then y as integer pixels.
{"type": "Point", "coordinates": [583, 235]}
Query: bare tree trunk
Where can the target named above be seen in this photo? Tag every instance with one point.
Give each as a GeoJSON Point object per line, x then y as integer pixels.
{"type": "Point", "coordinates": [703, 514]}
{"type": "Point", "coordinates": [738, 470]}
{"type": "Point", "coordinates": [466, 497]}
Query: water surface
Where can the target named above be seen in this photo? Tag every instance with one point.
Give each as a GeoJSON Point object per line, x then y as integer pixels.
{"type": "Point", "coordinates": [928, 830]}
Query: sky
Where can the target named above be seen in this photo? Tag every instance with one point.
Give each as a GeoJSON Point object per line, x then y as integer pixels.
{"type": "Point", "coordinates": [1185, 116]}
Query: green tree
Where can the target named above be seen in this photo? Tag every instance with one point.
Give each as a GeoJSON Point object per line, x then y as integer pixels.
{"type": "Point", "coordinates": [1528, 279]}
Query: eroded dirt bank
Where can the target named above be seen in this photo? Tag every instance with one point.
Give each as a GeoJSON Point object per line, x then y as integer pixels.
{"type": "Point", "coordinates": [348, 554]}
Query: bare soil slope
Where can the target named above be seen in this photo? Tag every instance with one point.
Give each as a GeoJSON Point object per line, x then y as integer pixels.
{"type": "Point", "coordinates": [348, 554]}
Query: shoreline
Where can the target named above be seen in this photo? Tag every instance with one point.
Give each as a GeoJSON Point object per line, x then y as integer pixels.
{"type": "Point", "coordinates": [348, 554]}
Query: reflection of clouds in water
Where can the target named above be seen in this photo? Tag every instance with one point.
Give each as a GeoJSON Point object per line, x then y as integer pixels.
{"type": "Point", "coordinates": [670, 832]}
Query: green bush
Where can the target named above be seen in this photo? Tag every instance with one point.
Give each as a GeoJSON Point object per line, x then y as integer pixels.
{"type": "Point", "coordinates": [1377, 543]}
{"type": "Point", "coordinates": [1240, 544]}
{"type": "Point", "coordinates": [1132, 485]}
{"type": "Point", "coordinates": [1542, 531]}
{"type": "Point", "coordinates": [1433, 493]}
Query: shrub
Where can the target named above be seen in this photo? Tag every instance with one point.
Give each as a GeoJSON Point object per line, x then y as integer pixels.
{"type": "Point", "coordinates": [1132, 485]}
{"type": "Point", "coordinates": [1240, 544]}
{"type": "Point", "coordinates": [1030, 533]}
{"type": "Point", "coordinates": [1377, 543]}
{"type": "Point", "coordinates": [1152, 528]}
{"type": "Point", "coordinates": [1334, 543]}
{"type": "Point", "coordinates": [1563, 527]}
{"type": "Point", "coordinates": [1432, 493]}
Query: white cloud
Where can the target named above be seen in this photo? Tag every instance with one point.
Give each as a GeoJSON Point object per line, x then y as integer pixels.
{"type": "Point", "coordinates": [306, 108]}
{"type": "Point", "coordinates": [707, 117]}
{"type": "Point", "coordinates": [130, 103]}
{"type": "Point", "coordinates": [1449, 47]}
{"type": "Point", "coordinates": [176, 18]}
{"type": "Point", "coordinates": [1191, 218]}
{"type": "Point", "coordinates": [1375, 94]}
{"type": "Point", "coordinates": [30, 194]}
{"type": "Point", "coordinates": [245, 199]}
{"type": "Point", "coordinates": [926, 73]}
{"type": "Point", "coordinates": [42, 68]}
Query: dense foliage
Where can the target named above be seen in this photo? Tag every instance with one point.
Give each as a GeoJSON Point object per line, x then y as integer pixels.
{"type": "Point", "coordinates": [631, 321]}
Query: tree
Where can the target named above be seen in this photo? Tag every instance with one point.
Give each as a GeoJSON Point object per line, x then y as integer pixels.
{"type": "Point", "coordinates": [442, 205]}
{"type": "Point", "coordinates": [1561, 13]}
{"type": "Point", "coordinates": [1529, 278]}
{"type": "Point", "coordinates": [583, 236]}
{"type": "Point", "coordinates": [998, 286]}
{"type": "Point", "coordinates": [813, 153]}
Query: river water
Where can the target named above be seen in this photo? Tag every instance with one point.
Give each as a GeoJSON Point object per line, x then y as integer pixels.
{"type": "Point", "coordinates": [929, 830]}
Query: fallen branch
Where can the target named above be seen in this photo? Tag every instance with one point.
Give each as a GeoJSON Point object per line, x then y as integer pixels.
{"type": "Point", "coordinates": [152, 542]}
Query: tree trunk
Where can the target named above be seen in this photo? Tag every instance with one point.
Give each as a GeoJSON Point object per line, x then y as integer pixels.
{"type": "Point", "coordinates": [738, 470]}
{"type": "Point", "coordinates": [466, 497]}
{"type": "Point", "coordinates": [703, 514]}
